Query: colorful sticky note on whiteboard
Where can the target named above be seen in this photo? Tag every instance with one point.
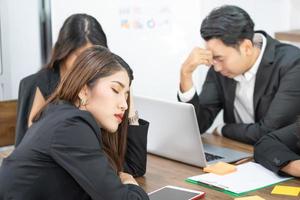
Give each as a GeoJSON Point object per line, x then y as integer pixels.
{"type": "Point", "coordinates": [286, 190]}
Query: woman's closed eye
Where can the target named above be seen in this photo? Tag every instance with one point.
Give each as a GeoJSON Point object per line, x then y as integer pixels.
{"type": "Point", "coordinates": [115, 90]}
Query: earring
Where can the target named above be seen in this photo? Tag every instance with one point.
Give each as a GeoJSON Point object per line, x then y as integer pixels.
{"type": "Point", "coordinates": [83, 102]}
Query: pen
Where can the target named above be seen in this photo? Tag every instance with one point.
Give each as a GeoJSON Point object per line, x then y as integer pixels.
{"type": "Point", "coordinates": [243, 161]}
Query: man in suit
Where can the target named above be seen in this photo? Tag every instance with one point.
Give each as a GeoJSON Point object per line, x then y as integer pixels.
{"type": "Point", "coordinates": [254, 78]}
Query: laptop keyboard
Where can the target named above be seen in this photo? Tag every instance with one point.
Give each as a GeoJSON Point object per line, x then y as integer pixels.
{"type": "Point", "coordinates": [211, 157]}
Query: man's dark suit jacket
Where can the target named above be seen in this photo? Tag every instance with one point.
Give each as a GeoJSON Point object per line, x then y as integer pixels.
{"type": "Point", "coordinates": [278, 148]}
{"type": "Point", "coordinates": [276, 95]}
{"type": "Point", "coordinates": [62, 157]}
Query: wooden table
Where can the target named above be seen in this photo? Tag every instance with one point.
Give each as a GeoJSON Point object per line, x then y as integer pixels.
{"type": "Point", "coordinates": [292, 36]}
{"type": "Point", "coordinates": [8, 118]}
{"type": "Point", "coordinates": [162, 171]}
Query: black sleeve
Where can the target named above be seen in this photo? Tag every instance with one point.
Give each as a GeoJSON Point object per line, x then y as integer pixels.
{"type": "Point", "coordinates": [136, 154]}
{"type": "Point", "coordinates": [282, 111]}
{"type": "Point", "coordinates": [75, 147]}
{"type": "Point", "coordinates": [208, 104]}
{"type": "Point", "coordinates": [47, 81]}
{"type": "Point", "coordinates": [26, 95]}
{"type": "Point", "coordinates": [278, 148]}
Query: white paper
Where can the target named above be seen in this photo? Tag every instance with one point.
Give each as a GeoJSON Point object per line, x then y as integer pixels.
{"type": "Point", "coordinates": [249, 176]}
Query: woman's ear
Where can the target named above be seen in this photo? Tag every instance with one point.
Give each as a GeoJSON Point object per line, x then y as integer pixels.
{"type": "Point", "coordinates": [83, 96]}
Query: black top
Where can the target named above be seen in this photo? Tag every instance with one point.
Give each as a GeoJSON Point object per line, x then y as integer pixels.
{"type": "Point", "coordinates": [278, 148]}
{"type": "Point", "coordinates": [46, 80]}
{"type": "Point", "coordinates": [276, 95]}
{"type": "Point", "coordinates": [61, 157]}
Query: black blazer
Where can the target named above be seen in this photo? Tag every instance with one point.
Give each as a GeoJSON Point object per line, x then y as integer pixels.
{"type": "Point", "coordinates": [61, 157]}
{"type": "Point", "coordinates": [27, 88]}
{"type": "Point", "coordinates": [278, 148]}
{"type": "Point", "coordinates": [47, 80]}
{"type": "Point", "coordinates": [276, 95]}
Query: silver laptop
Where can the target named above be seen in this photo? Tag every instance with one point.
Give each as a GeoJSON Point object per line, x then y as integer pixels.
{"type": "Point", "coordinates": [174, 133]}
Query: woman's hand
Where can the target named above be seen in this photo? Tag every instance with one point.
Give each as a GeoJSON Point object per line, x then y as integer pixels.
{"type": "Point", "coordinates": [133, 116]}
{"type": "Point", "coordinates": [127, 178]}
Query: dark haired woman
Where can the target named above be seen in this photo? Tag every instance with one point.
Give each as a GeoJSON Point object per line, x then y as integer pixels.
{"type": "Point", "coordinates": [78, 32]}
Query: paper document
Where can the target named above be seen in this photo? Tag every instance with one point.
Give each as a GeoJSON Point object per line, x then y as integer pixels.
{"type": "Point", "coordinates": [248, 177]}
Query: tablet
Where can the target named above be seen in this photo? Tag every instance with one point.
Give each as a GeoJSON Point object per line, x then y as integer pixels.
{"type": "Point", "coordinates": [175, 193]}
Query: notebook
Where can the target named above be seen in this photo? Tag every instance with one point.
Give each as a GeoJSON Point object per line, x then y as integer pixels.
{"type": "Point", "coordinates": [175, 193]}
{"type": "Point", "coordinates": [174, 133]}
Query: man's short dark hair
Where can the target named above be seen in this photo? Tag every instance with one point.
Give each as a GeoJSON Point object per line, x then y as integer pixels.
{"type": "Point", "coordinates": [230, 24]}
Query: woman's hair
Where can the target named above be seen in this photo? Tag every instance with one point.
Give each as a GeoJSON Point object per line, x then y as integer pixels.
{"type": "Point", "coordinates": [92, 64]}
{"type": "Point", "coordinates": [77, 31]}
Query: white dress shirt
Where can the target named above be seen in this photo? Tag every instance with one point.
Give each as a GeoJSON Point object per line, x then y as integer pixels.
{"type": "Point", "coordinates": [243, 102]}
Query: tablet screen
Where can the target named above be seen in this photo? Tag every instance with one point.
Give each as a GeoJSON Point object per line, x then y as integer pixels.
{"type": "Point", "coordinates": [174, 193]}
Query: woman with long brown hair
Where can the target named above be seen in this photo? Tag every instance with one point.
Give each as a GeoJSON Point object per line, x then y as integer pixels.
{"type": "Point", "coordinates": [76, 147]}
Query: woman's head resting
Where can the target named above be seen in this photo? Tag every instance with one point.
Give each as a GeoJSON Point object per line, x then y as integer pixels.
{"type": "Point", "coordinates": [98, 84]}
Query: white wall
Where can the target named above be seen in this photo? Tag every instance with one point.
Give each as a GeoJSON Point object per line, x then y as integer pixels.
{"type": "Point", "coordinates": [21, 46]}
{"type": "Point", "coordinates": [295, 14]}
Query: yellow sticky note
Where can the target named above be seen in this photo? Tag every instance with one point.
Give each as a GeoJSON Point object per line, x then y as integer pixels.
{"type": "Point", "coordinates": [250, 198]}
{"type": "Point", "coordinates": [286, 190]}
{"type": "Point", "coordinates": [220, 168]}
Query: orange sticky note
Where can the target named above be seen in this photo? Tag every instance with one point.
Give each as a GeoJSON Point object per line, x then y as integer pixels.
{"type": "Point", "coordinates": [220, 168]}
{"type": "Point", "coordinates": [286, 190]}
{"type": "Point", "coordinates": [250, 198]}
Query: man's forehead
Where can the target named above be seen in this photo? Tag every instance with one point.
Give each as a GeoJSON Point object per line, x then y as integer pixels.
{"type": "Point", "coordinates": [214, 43]}
{"type": "Point", "coordinates": [218, 48]}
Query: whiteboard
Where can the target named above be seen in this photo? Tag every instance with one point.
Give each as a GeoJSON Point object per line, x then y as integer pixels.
{"type": "Point", "coordinates": [154, 37]}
